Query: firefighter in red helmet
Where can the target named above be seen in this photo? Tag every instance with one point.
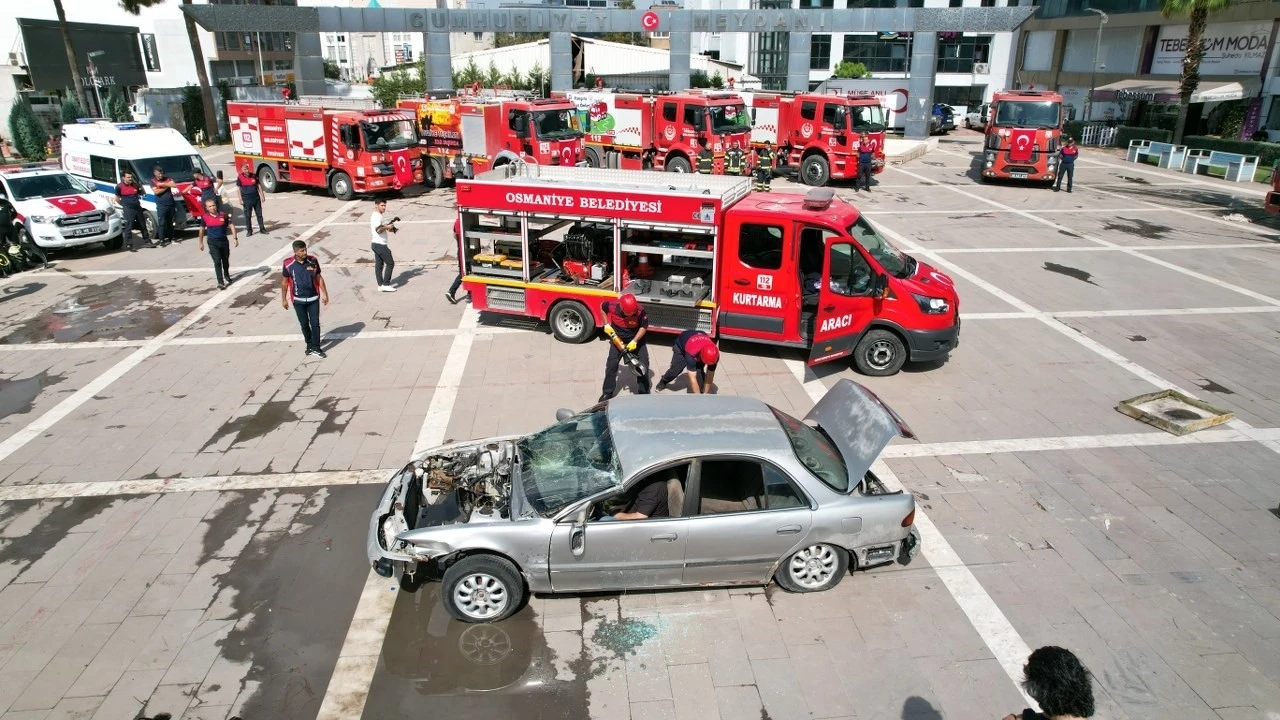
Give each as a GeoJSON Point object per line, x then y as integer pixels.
{"type": "Point", "coordinates": [626, 319]}
{"type": "Point", "coordinates": [696, 354]}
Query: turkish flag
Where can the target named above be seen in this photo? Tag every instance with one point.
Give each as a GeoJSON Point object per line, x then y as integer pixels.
{"type": "Point", "coordinates": [1020, 144]}
{"type": "Point", "coordinates": [404, 170]}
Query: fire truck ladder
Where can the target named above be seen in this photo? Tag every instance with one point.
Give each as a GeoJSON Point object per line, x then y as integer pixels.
{"type": "Point", "coordinates": [727, 189]}
{"type": "Point", "coordinates": [330, 102]}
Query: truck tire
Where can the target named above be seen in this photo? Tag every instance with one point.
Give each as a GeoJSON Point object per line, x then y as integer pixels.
{"type": "Point", "coordinates": [815, 170]}
{"type": "Point", "coordinates": [340, 186]}
{"type": "Point", "coordinates": [150, 223]}
{"type": "Point", "coordinates": [572, 322]}
{"type": "Point", "coordinates": [267, 179]}
{"type": "Point", "coordinates": [879, 353]}
{"type": "Point", "coordinates": [679, 164]}
{"type": "Point", "coordinates": [435, 173]}
{"type": "Point", "coordinates": [592, 156]}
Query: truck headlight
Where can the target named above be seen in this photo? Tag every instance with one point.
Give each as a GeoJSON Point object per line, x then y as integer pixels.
{"type": "Point", "coordinates": [40, 219]}
{"type": "Point", "coordinates": [931, 305]}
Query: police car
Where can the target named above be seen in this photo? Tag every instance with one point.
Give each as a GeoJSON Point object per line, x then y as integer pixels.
{"type": "Point", "coordinates": [55, 210]}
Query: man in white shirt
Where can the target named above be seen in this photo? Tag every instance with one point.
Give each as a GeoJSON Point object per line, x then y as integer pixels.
{"type": "Point", "coordinates": [383, 262]}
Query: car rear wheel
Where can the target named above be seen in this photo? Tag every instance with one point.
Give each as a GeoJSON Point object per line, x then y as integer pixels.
{"type": "Point", "coordinates": [879, 353]}
{"type": "Point", "coordinates": [482, 588]}
{"type": "Point", "coordinates": [267, 179]}
{"type": "Point", "coordinates": [572, 323]}
{"type": "Point", "coordinates": [340, 186]}
{"type": "Point", "coordinates": [813, 569]}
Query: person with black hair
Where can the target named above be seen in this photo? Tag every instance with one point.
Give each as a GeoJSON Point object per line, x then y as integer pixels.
{"type": "Point", "coordinates": [1063, 687]}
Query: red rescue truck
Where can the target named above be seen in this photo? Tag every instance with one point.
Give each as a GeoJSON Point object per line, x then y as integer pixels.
{"type": "Point", "coordinates": [807, 272]}
{"type": "Point", "coordinates": [1273, 198]}
{"type": "Point", "coordinates": [661, 132]}
{"type": "Point", "coordinates": [346, 151]}
{"type": "Point", "coordinates": [475, 131]}
{"type": "Point", "coordinates": [816, 136]}
{"type": "Point", "coordinates": [1023, 134]}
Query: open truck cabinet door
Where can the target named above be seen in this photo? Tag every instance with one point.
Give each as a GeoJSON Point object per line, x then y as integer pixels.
{"type": "Point", "coordinates": [847, 299]}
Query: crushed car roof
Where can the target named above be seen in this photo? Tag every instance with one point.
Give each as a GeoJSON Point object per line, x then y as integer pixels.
{"type": "Point", "coordinates": [650, 430]}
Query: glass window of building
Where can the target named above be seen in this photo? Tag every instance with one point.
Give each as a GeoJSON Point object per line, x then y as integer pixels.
{"type": "Point", "coordinates": [876, 54]}
{"type": "Point", "coordinates": [820, 52]}
{"type": "Point", "coordinates": [958, 54]}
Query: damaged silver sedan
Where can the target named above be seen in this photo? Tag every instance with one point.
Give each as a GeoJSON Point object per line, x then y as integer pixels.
{"type": "Point", "coordinates": [748, 495]}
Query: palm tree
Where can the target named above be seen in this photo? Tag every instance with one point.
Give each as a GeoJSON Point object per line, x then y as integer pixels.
{"type": "Point", "coordinates": [193, 34]}
{"type": "Point", "coordinates": [1198, 12]}
{"type": "Point", "coordinates": [71, 54]}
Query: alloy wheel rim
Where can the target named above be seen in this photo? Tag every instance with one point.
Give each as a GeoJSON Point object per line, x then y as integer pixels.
{"type": "Point", "coordinates": [813, 566]}
{"type": "Point", "coordinates": [481, 596]}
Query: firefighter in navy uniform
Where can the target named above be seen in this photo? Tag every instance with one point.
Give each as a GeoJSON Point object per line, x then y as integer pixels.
{"type": "Point", "coordinates": [764, 167]}
{"type": "Point", "coordinates": [866, 162]}
{"type": "Point", "coordinates": [626, 319]}
{"type": "Point", "coordinates": [706, 160]}
{"type": "Point", "coordinates": [733, 160]}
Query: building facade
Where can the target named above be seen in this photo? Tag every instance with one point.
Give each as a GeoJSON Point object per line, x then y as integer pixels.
{"type": "Point", "coordinates": [1139, 55]}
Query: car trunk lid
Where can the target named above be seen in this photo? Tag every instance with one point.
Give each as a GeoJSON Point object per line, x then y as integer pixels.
{"type": "Point", "coordinates": [859, 423]}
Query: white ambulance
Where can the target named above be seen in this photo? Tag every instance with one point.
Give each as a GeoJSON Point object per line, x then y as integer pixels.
{"type": "Point", "coordinates": [98, 152]}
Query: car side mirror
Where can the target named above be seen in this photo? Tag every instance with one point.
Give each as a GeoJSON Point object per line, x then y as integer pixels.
{"type": "Point", "coordinates": [578, 533]}
{"type": "Point", "coordinates": [880, 286]}
{"type": "Point", "coordinates": [563, 414]}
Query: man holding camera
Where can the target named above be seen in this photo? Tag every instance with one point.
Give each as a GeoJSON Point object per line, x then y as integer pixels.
{"type": "Point", "coordinates": [383, 261]}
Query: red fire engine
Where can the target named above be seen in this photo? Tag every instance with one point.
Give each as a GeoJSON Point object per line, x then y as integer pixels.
{"type": "Point", "coordinates": [663, 132]}
{"type": "Point", "coordinates": [817, 135]}
{"type": "Point", "coordinates": [700, 252]}
{"type": "Point", "coordinates": [1023, 136]}
{"type": "Point", "coordinates": [1273, 198]}
{"type": "Point", "coordinates": [478, 130]}
{"type": "Point", "coordinates": [347, 151]}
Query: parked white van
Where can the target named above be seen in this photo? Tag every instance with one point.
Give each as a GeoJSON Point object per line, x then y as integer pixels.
{"type": "Point", "coordinates": [98, 152]}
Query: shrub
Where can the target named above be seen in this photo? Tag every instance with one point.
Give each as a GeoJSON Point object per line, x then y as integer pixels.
{"type": "Point", "coordinates": [193, 110]}
{"type": "Point", "coordinates": [27, 132]}
{"type": "Point", "coordinates": [117, 107]}
{"type": "Point", "coordinates": [71, 110]}
{"type": "Point", "coordinates": [1125, 133]}
{"type": "Point", "coordinates": [1268, 153]}
{"type": "Point", "coordinates": [1074, 128]}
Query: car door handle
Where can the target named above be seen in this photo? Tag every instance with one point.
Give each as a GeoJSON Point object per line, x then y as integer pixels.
{"type": "Point", "coordinates": [663, 538]}
{"type": "Point", "coordinates": [788, 529]}
{"type": "Point", "coordinates": [829, 308]}
{"type": "Point", "coordinates": [741, 281]}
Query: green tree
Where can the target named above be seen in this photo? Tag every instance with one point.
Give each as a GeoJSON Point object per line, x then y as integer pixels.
{"type": "Point", "coordinates": [28, 134]}
{"type": "Point", "coordinates": [193, 115]}
{"type": "Point", "coordinates": [493, 76]}
{"type": "Point", "coordinates": [202, 74]}
{"type": "Point", "coordinates": [72, 60]}
{"type": "Point", "coordinates": [388, 87]}
{"type": "Point", "coordinates": [332, 71]}
{"type": "Point", "coordinates": [71, 109]}
{"type": "Point", "coordinates": [848, 69]}
{"type": "Point", "coordinates": [539, 79]}
{"type": "Point", "coordinates": [117, 107]}
{"type": "Point", "coordinates": [470, 74]}
{"type": "Point", "coordinates": [1198, 13]}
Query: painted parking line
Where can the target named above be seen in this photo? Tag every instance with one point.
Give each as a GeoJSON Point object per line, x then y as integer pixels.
{"type": "Point", "coordinates": [1120, 248]}
{"type": "Point", "coordinates": [73, 402]}
{"type": "Point", "coordinates": [1004, 641]}
{"type": "Point", "coordinates": [1072, 211]}
{"type": "Point", "coordinates": [216, 483]}
{"type": "Point", "coordinates": [348, 689]}
{"type": "Point", "coordinates": [1078, 442]}
{"type": "Point", "coordinates": [236, 270]}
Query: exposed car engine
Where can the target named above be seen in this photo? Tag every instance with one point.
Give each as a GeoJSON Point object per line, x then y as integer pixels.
{"type": "Point", "coordinates": [477, 478]}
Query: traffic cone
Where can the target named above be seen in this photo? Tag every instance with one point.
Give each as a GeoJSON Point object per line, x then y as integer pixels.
{"type": "Point", "coordinates": [643, 269]}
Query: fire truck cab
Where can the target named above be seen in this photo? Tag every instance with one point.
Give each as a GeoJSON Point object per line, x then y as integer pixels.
{"type": "Point", "coordinates": [347, 151]}
{"type": "Point", "coordinates": [1022, 136]}
{"type": "Point", "coordinates": [477, 130]}
{"type": "Point", "coordinates": [817, 135]}
{"type": "Point", "coordinates": [661, 132]}
{"type": "Point", "coordinates": [806, 272]}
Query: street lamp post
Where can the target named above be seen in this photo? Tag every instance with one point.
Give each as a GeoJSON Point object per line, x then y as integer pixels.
{"type": "Point", "coordinates": [1093, 76]}
{"type": "Point", "coordinates": [93, 78]}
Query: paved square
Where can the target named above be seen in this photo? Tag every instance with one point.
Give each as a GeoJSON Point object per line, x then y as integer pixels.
{"type": "Point", "coordinates": [184, 497]}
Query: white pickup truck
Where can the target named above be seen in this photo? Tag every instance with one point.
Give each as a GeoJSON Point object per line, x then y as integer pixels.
{"type": "Point", "coordinates": [977, 118]}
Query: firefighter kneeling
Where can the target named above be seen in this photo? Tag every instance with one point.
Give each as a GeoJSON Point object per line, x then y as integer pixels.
{"type": "Point", "coordinates": [626, 323]}
{"type": "Point", "coordinates": [764, 167]}
{"type": "Point", "coordinates": [696, 354]}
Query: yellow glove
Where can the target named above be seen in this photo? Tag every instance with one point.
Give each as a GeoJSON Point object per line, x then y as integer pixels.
{"type": "Point", "coordinates": [631, 346]}
{"type": "Point", "coordinates": [608, 330]}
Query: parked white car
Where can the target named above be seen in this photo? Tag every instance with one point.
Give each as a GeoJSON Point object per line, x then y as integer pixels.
{"type": "Point", "coordinates": [57, 210]}
{"type": "Point", "coordinates": [977, 118]}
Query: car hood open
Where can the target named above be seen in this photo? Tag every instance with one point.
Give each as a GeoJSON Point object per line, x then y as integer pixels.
{"type": "Point", "coordinates": [859, 423]}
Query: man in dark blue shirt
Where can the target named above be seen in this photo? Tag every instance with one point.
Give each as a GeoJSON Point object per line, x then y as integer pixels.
{"type": "Point", "coordinates": [866, 161]}
{"type": "Point", "coordinates": [302, 285]}
{"type": "Point", "coordinates": [166, 207]}
{"type": "Point", "coordinates": [250, 198]}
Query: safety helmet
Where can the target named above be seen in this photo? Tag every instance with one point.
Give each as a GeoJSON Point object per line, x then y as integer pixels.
{"type": "Point", "coordinates": [629, 304]}
{"type": "Point", "coordinates": [710, 355]}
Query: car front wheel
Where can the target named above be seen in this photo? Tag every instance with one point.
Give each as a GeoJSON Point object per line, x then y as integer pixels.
{"type": "Point", "coordinates": [813, 569]}
{"type": "Point", "coordinates": [482, 588]}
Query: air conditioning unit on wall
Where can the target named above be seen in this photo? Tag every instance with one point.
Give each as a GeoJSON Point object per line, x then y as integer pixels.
{"type": "Point", "coordinates": [981, 68]}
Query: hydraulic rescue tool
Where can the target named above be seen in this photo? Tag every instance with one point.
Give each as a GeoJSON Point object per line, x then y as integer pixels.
{"type": "Point", "coordinates": [630, 360]}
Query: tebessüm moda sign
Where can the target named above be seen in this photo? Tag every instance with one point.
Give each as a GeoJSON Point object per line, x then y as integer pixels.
{"type": "Point", "coordinates": [1229, 49]}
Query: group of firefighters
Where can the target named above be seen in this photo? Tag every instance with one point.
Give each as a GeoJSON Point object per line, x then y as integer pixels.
{"type": "Point", "coordinates": [759, 162]}
{"type": "Point", "coordinates": [694, 352]}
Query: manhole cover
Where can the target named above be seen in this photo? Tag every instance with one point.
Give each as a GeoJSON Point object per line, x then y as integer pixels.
{"type": "Point", "coordinates": [1174, 412]}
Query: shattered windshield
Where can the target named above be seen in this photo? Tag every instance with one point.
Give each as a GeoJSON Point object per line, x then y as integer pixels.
{"type": "Point", "coordinates": [866, 118]}
{"type": "Point", "coordinates": [554, 125]}
{"type": "Point", "coordinates": [568, 461]}
{"type": "Point", "coordinates": [728, 118]}
{"type": "Point", "coordinates": [389, 135]}
{"type": "Point", "coordinates": [1022, 114]}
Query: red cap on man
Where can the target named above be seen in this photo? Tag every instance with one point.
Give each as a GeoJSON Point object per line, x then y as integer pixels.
{"type": "Point", "coordinates": [629, 304]}
{"type": "Point", "coordinates": [710, 355]}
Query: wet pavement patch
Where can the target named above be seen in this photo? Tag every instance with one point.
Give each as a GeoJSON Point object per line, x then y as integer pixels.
{"type": "Point", "coordinates": [1138, 227]}
{"type": "Point", "coordinates": [52, 529]}
{"type": "Point", "coordinates": [265, 293]}
{"type": "Point", "coordinates": [1070, 272]}
{"type": "Point", "coordinates": [123, 309]}
{"type": "Point", "coordinates": [17, 396]}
